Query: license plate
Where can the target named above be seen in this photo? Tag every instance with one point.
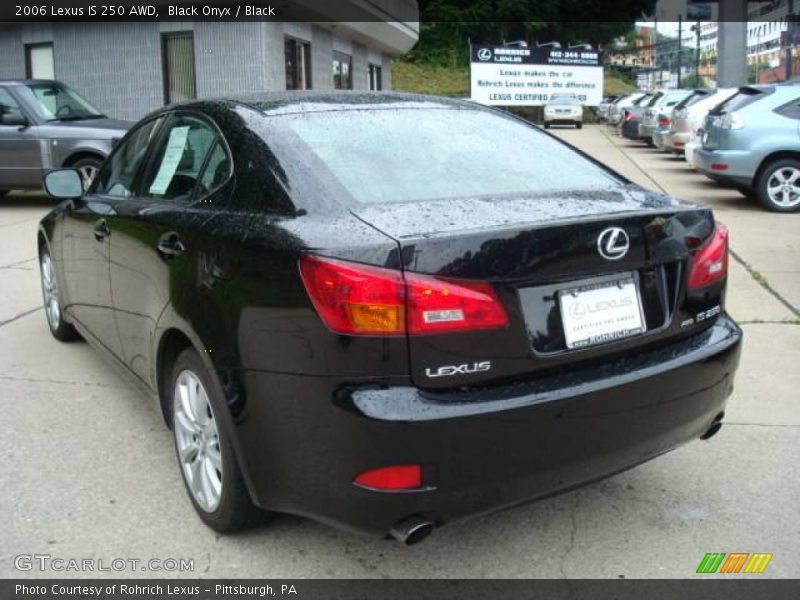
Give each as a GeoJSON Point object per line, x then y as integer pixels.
{"type": "Point", "coordinates": [602, 312]}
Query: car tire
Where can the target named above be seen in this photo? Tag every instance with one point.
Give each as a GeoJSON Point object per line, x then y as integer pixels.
{"type": "Point", "coordinates": [745, 191]}
{"type": "Point", "coordinates": [579, 125]}
{"type": "Point", "coordinates": [88, 168]}
{"type": "Point", "coordinates": [203, 447]}
{"type": "Point", "coordinates": [61, 329]}
{"type": "Point", "coordinates": [547, 125]}
{"type": "Point", "coordinates": [778, 186]}
{"type": "Point", "coordinates": [4, 193]}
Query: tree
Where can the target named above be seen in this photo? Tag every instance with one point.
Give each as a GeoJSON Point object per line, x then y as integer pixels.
{"type": "Point", "coordinates": [447, 25]}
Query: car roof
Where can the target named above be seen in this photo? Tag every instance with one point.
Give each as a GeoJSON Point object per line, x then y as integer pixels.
{"type": "Point", "coordinates": [289, 102]}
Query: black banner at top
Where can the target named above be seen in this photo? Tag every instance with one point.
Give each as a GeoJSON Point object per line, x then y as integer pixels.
{"type": "Point", "coordinates": [513, 55]}
{"type": "Point", "coordinates": [27, 11]}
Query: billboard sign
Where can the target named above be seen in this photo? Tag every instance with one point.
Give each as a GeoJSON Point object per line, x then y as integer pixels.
{"type": "Point", "coordinates": [512, 76]}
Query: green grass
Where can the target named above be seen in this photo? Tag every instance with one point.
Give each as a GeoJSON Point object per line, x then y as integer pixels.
{"type": "Point", "coordinates": [430, 79]}
{"type": "Point", "coordinates": [424, 78]}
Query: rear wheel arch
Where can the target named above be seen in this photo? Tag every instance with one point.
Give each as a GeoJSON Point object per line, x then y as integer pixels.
{"type": "Point", "coordinates": [172, 343]}
{"type": "Point", "coordinates": [768, 160]}
{"type": "Point", "coordinates": [80, 155]}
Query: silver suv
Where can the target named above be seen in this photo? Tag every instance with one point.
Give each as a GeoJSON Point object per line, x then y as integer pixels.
{"type": "Point", "coordinates": [45, 124]}
{"type": "Point", "coordinates": [752, 141]}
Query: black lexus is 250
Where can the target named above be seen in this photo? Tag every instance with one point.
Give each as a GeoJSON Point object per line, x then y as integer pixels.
{"type": "Point", "coordinates": [387, 311]}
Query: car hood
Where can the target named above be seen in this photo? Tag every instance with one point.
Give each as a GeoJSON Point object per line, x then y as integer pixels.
{"type": "Point", "coordinates": [90, 128]}
{"type": "Point", "coordinates": [437, 218]}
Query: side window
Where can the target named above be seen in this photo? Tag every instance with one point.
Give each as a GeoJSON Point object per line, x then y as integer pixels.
{"type": "Point", "coordinates": [7, 103]}
{"type": "Point", "coordinates": [790, 110]}
{"type": "Point", "coordinates": [188, 161]}
{"type": "Point", "coordinates": [117, 178]}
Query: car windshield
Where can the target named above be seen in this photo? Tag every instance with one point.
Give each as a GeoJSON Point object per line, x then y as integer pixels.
{"type": "Point", "coordinates": [564, 100]}
{"type": "Point", "coordinates": [385, 156]}
{"type": "Point", "coordinates": [57, 102]}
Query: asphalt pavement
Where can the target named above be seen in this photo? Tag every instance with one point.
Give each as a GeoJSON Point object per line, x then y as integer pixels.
{"type": "Point", "coordinates": [88, 470]}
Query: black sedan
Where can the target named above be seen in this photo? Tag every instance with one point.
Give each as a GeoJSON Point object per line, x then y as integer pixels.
{"type": "Point", "coordinates": [387, 311]}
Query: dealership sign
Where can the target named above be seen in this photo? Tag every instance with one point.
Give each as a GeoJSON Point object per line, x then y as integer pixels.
{"type": "Point", "coordinates": [503, 76]}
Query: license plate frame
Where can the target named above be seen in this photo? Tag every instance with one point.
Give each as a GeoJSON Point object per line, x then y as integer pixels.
{"type": "Point", "coordinates": [593, 314]}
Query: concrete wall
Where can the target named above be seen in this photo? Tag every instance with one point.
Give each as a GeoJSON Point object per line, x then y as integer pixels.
{"type": "Point", "coordinates": [117, 66]}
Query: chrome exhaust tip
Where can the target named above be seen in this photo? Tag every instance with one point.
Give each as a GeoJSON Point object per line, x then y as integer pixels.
{"type": "Point", "coordinates": [716, 425]}
{"type": "Point", "coordinates": [411, 530]}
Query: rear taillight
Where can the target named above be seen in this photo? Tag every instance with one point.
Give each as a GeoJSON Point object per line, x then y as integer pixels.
{"type": "Point", "coordinates": [664, 122]}
{"type": "Point", "coordinates": [710, 262]}
{"type": "Point", "coordinates": [356, 299]}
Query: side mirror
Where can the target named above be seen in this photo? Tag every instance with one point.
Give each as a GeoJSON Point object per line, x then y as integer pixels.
{"type": "Point", "coordinates": [13, 118]}
{"type": "Point", "coordinates": [63, 184]}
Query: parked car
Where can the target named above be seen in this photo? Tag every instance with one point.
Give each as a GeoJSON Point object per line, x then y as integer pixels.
{"type": "Point", "coordinates": [751, 141]}
{"type": "Point", "coordinates": [46, 124]}
{"type": "Point", "coordinates": [615, 111]}
{"type": "Point", "coordinates": [604, 106]}
{"type": "Point", "coordinates": [689, 114]}
{"type": "Point", "coordinates": [455, 333]}
{"type": "Point", "coordinates": [658, 111]}
{"type": "Point", "coordinates": [563, 110]}
{"type": "Point", "coordinates": [631, 116]}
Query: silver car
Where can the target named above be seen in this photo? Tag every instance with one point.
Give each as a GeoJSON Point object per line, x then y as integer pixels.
{"type": "Point", "coordinates": [660, 107]}
{"type": "Point", "coordinates": [688, 116]}
{"type": "Point", "coordinates": [752, 142]}
{"type": "Point", "coordinates": [45, 124]}
{"type": "Point", "coordinates": [563, 110]}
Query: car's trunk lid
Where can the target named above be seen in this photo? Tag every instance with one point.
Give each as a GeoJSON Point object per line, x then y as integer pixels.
{"type": "Point", "coordinates": [544, 255]}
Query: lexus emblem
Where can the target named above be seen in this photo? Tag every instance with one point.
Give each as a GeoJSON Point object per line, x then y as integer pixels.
{"type": "Point", "coordinates": [484, 54]}
{"type": "Point", "coordinates": [613, 243]}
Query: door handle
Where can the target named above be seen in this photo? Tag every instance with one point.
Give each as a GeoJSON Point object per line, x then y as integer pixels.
{"type": "Point", "coordinates": [170, 245]}
{"type": "Point", "coordinates": [101, 230]}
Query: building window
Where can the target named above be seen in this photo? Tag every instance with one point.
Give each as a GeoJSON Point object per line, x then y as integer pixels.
{"type": "Point", "coordinates": [39, 61]}
{"type": "Point", "coordinates": [342, 71]}
{"type": "Point", "coordinates": [298, 64]}
{"type": "Point", "coordinates": [375, 77]}
{"type": "Point", "coordinates": [177, 56]}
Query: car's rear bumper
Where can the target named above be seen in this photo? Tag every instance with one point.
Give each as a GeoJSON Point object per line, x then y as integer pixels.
{"type": "Point", "coordinates": [646, 131]}
{"type": "Point", "coordinates": [677, 140]}
{"type": "Point", "coordinates": [733, 166]}
{"type": "Point", "coordinates": [630, 130]}
{"type": "Point", "coordinates": [303, 440]}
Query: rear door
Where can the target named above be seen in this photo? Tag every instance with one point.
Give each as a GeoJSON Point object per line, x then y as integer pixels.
{"type": "Point", "coordinates": [155, 233]}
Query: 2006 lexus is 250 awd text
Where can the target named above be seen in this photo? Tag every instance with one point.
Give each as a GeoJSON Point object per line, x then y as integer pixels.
{"type": "Point", "coordinates": [387, 311]}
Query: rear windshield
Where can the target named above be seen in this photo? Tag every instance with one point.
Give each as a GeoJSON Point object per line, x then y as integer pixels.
{"type": "Point", "coordinates": [691, 99]}
{"type": "Point", "coordinates": [739, 100]}
{"type": "Point", "coordinates": [401, 155]}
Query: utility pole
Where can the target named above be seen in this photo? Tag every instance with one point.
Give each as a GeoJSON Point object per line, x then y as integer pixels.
{"type": "Point", "coordinates": [697, 54]}
{"type": "Point", "coordinates": [680, 46]}
{"type": "Point", "coordinates": [790, 29]}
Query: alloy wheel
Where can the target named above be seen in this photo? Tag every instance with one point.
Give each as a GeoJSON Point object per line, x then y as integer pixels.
{"type": "Point", "coordinates": [87, 173]}
{"type": "Point", "coordinates": [197, 439]}
{"type": "Point", "coordinates": [50, 291]}
{"type": "Point", "coordinates": [783, 187]}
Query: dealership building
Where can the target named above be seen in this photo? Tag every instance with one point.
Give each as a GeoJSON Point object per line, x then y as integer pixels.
{"type": "Point", "coordinates": [127, 69]}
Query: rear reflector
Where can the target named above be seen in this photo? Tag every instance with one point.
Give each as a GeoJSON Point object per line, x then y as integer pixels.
{"type": "Point", "coordinates": [357, 299]}
{"type": "Point", "coordinates": [680, 144]}
{"type": "Point", "coordinates": [719, 167]}
{"type": "Point", "coordinates": [664, 122]}
{"type": "Point", "coordinates": [710, 263]}
{"type": "Point", "coordinates": [403, 477]}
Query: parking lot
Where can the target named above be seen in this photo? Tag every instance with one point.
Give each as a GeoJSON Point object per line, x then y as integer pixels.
{"type": "Point", "coordinates": [88, 469]}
